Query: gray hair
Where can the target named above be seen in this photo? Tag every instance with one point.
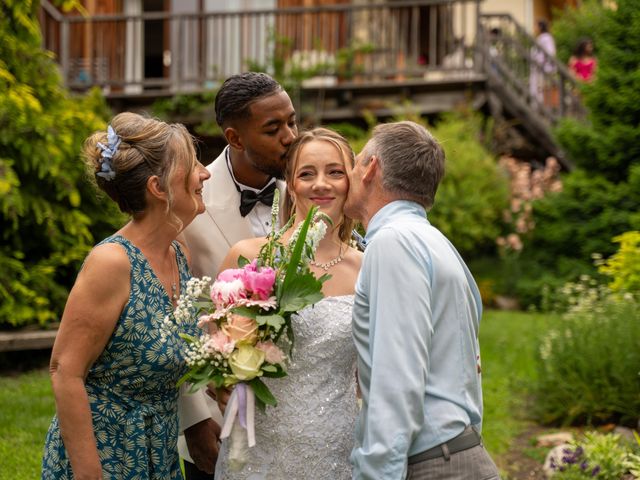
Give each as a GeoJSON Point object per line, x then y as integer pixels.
{"type": "Point", "coordinates": [411, 159]}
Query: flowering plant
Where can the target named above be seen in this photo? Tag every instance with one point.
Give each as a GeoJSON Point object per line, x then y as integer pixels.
{"type": "Point", "coordinates": [248, 310]}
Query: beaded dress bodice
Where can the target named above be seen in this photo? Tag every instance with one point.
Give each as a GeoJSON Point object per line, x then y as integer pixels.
{"type": "Point", "coordinates": [309, 435]}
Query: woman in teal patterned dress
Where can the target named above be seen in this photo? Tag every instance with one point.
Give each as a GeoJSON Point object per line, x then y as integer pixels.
{"type": "Point", "coordinates": [113, 369]}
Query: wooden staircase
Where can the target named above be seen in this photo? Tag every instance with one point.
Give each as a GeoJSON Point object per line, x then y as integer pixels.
{"type": "Point", "coordinates": [506, 51]}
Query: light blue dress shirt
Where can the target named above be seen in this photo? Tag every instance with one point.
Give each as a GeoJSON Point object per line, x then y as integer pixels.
{"type": "Point", "coordinates": [415, 325]}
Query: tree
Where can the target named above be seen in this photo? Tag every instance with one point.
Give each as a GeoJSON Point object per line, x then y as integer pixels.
{"type": "Point", "coordinates": [609, 142]}
{"type": "Point", "coordinates": [601, 198]}
{"type": "Point", "coordinates": [49, 213]}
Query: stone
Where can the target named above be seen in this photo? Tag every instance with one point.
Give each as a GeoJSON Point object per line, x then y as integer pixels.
{"type": "Point", "coordinates": [553, 439]}
{"type": "Point", "coordinates": [624, 432]}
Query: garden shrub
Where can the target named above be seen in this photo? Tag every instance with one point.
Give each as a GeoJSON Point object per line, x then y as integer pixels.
{"type": "Point", "coordinates": [474, 191]}
{"type": "Point", "coordinates": [571, 225]}
{"type": "Point", "coordinates": [609, 142]}
{"type": "Point", "coordinates": [601, 198]}
{"type": "Point", "coordinates": [49, 214]}
{"type": "Point", "coordinates": [590, 363]}
{"type": "Point", "coordinates": [623, 267]}
{"type": "Point", "coordinates": [598, 456]}
{"type": "Point", "coordinates": [573, 24]}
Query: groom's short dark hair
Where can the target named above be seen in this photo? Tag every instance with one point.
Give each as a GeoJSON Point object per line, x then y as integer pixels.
{"type": "Point", "coordinates": [238, 92]}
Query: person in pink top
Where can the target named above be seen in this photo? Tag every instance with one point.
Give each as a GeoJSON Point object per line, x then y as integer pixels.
{"type": "Point", "coordinates": [582, 63]}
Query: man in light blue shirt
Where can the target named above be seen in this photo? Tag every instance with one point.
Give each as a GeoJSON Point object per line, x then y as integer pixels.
{"type": "Point", "coordinates": [415, 321]}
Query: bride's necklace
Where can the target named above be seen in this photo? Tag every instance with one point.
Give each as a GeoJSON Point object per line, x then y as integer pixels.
{"type": "Point", "coordinates": [326, 266]}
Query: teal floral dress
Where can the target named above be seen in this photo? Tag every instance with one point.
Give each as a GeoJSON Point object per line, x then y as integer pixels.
{"type": "Point", "coordinates": [132, 385]}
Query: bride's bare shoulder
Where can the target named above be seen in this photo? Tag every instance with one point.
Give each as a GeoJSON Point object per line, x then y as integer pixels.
{"type": "Point", "coordinates": [248, 248]}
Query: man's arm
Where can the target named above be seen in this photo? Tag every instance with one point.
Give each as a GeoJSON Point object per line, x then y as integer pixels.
{"type": "Point", "coordinates": [192, 407]}
{"type": "Point", "coordinates": [400, 330]}
{"type": "Point", "coordinates": [200, 430]}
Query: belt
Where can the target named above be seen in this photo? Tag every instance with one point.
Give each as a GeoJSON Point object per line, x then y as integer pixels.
{"type": "Point", "coordinates": [469, 438]}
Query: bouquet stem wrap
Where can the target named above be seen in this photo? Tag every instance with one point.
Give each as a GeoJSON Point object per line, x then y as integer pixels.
{"type": "Point", "coordinates": [239, 423]}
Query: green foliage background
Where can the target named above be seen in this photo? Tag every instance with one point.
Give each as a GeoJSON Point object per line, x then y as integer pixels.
{"type": "Point", "coordinates": [49, 214]}
{"type": "Point", "coordinates": [475, 190]}
{"type": "Point", "coordinates": [589, 367]}
{"type": "Point", "coordinates": [601, 198]}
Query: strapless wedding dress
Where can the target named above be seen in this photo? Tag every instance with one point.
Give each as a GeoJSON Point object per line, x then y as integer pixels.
{"type": "Point", "coordinates": [309, 435]}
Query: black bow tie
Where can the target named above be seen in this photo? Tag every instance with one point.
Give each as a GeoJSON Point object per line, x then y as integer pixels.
{"type": "Point", "coordinates": [248, 198]}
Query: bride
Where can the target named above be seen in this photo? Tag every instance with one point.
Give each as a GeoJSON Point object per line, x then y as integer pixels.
{"type": "Point", "coordinates": [310, 433]}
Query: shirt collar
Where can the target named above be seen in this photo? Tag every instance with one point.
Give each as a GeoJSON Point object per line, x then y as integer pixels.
{"type": "Point", "coordinates": [391, 211]}
{"type": "Point", "coordinates": [240, 186]}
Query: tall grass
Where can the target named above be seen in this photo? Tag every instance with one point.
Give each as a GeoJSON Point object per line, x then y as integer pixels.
{"type": "Point", "coordinates": [590, 366]}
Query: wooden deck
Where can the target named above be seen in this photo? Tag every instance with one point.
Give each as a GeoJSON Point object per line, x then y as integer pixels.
{"type": "Point", "coordinates": [27, 340]}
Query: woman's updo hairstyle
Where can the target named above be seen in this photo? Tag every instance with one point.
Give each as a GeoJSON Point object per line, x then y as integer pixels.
{"type": "Point", "coordinates": [141, 148]}
{"type": "Point", "coordinates": [342, 145]}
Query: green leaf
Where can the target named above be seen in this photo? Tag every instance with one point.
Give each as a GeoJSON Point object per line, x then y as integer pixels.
{"type": "Point", "coordinates": [296, 255]}
{"type": "Point", "coordinates": [198, 385]}
{"type": "Point", "coordinates": [187, 338]}
{"type": "Point", "coordinates": [245, 312]}
{"type": "Point", "coordinates": [276, 321]}
{"type": "Point", "coordinates": [301, 291]}
{"type": "Point", "coordinates": [277, 374]}
{"type": "Point", "coordinates": [183, 379]}
{"type": "Point", "coordinates": [262, 392]}
{"type": "Point", "coordinates": [242, 261]}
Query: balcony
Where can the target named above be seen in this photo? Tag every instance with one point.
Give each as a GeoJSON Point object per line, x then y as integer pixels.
{"type": "Point", "coordinates": [343, 46]}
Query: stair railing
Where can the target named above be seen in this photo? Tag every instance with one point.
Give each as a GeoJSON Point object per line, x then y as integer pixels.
{"type": "Point", "coordinates": [514, 62]}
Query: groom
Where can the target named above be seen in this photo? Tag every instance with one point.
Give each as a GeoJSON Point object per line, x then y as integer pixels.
{"type": "Point", "coordinates": [259, 123]}
{"type": "Point", "coordinates": [415, 321]}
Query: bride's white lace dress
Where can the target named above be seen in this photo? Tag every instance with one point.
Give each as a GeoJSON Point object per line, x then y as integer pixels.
{"type": "Point", "coordinates": [309, 435]}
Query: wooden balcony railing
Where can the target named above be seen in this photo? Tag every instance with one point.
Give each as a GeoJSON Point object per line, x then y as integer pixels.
{"type": "Point", "coordinates": [136, 53]}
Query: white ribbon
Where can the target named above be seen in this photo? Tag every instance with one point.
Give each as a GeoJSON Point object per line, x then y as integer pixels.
{"type": "Point", "coordinates": [242, 405]}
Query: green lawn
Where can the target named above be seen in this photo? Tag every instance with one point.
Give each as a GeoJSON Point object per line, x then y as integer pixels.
{"type": "Point", "coordinates": [26, 408]}
{"type": "Point", "coordinates": [508, 341]}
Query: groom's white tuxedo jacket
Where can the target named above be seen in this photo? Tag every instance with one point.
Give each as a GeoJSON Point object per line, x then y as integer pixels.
{"type": "Point", "coordinates": [209, 238]}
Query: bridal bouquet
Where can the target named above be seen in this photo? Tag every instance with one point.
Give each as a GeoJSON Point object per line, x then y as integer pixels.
{"type": "Point", "coordinates": [248, 314]}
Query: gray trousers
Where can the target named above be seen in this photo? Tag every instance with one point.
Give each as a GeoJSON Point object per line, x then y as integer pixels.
{"type": "Point", "coordinates": [472, 464]}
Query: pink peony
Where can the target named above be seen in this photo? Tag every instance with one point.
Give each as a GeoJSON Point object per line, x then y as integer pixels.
{"type": "Point", "coordinates": [272, 353]}
{"type": "Point", "coordinates": [259, 282]}
{"type": "Point", "coordinates": [229, 275]}
{"type": "Point", "coordinates": [224, 293]}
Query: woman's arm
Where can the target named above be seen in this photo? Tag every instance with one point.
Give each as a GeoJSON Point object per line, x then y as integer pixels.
{"type": "Point", "coordinates": [90, 315]}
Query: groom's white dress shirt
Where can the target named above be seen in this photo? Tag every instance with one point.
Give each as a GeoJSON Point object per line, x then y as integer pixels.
{"type": "Point", "coordinates": [415, 325]}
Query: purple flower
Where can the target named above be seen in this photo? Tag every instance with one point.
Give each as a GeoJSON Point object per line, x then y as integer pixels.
{"type": "Point", "coordinates": [595, 471]}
